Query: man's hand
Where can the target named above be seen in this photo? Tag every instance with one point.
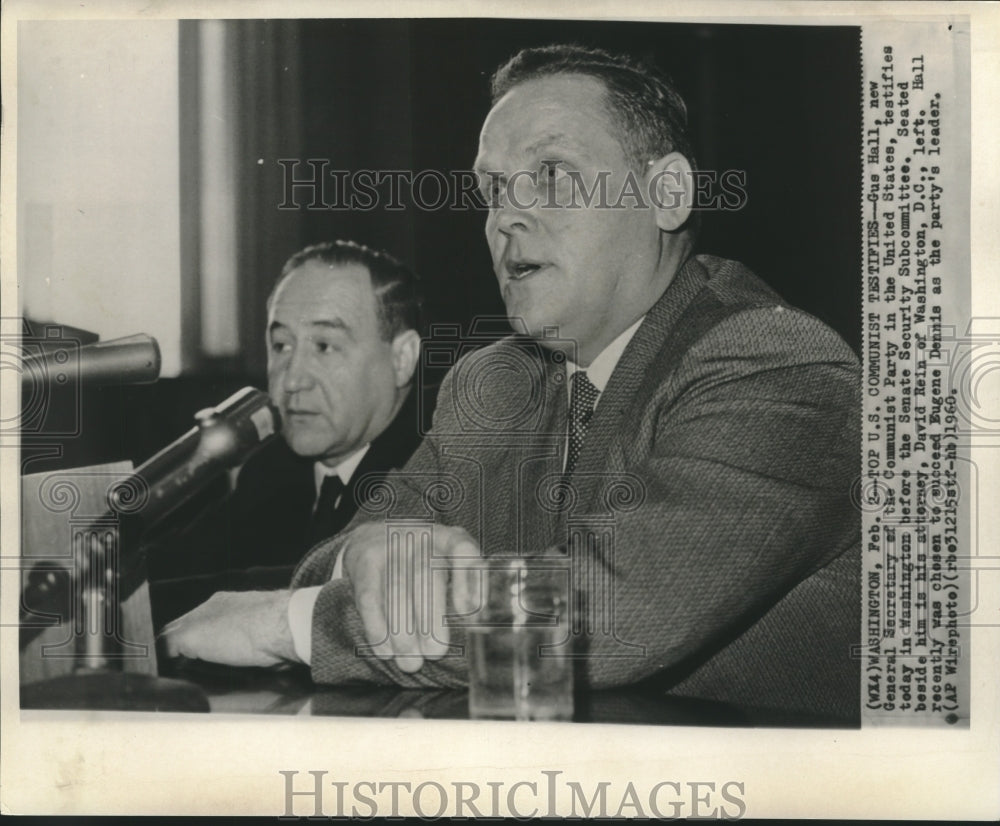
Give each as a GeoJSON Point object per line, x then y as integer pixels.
{"type": "Point", "coordinates": [401, 593]}
{"type": "Point", "coordinates": [241, 628]}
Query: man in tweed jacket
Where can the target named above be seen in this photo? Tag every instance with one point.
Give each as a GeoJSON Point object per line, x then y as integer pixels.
{"type": "Point", "coordinates": [706, 518]}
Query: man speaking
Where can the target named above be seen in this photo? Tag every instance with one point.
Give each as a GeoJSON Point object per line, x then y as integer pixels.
{"type": "Point", "coordinates": [732, 419]}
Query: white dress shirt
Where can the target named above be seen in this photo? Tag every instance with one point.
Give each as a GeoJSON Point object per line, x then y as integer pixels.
{"type": "Point", "coordinates": [599, 371]}
{"type": "Point", "coordinates": [345, 470]}
{"type": "Point", "coordinates": [303, 600]}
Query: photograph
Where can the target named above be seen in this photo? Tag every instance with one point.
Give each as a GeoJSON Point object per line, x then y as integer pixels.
{"type": "Point", "coordinates": [591, 391]}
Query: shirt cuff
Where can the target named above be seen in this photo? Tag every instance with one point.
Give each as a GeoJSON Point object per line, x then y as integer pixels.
{"type": "Point", "coordinates": [300, 614]}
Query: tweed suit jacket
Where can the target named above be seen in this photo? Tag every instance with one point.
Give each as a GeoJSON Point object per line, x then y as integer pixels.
{"type": "Point", "coordinates": [711, 538]}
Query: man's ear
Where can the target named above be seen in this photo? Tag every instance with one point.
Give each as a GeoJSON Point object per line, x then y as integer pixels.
{"type": "Point", "coordinates": [671, 186]}
{"type": "Point", "coordinates": [405, 352]}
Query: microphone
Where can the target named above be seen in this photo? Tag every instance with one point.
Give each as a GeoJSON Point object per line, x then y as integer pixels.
{"type": "Point", "coordinates": [130, 360]}
{"type": "Point", "coordinates": [224, 437]}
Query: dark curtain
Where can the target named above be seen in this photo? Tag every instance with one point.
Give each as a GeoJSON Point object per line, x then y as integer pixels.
{"type": "Point", "coordinates": [779, 102]}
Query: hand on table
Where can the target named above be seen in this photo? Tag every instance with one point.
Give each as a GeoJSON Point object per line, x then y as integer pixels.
{"type": "Point", "coordinates": [401, 594]}
{"type": "Point", "coordinates": [245, 628]}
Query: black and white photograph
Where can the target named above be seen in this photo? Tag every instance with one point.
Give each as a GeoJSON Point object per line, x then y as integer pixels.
{"type": "Point", "coordinates": [497, 415]}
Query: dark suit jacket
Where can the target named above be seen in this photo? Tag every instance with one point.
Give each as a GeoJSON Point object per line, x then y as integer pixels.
{"type": "Point", "coordinates": [272, 505]}
{"type": "Point", "coordinates": [261, 531]}
{"type": "Point", "coordinates": [717, 472]}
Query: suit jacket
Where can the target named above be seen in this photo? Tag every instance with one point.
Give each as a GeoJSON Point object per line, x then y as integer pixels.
{"type": "Point", "coordinates": [716, 477]}
{"type": "Point", "coordinates": [272, 506]}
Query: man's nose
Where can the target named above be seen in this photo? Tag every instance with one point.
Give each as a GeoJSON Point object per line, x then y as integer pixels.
{"type": "Point", "coordinates": [516, 209]}
{"type": "Point", "coordinates": [511, 218]}
{"type": "Point", "coordinates": [297, 375]}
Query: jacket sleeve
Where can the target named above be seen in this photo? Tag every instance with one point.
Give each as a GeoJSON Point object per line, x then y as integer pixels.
{"type": "Point", "coordinates": [745, 455]}
{"type": "Point", "coordinates": [339, 649]}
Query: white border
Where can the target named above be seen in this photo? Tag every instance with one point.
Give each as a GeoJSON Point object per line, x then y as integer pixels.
{"type": "Point", "coordinates": [132, 763]}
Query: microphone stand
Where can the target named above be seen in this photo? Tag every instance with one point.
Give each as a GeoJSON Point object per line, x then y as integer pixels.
{"type": "Point", "coordinates": [224, 437]}
{"type": "Point", "coordinates": [98, 681]}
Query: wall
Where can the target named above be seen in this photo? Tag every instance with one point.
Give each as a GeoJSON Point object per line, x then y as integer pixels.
{"type": "Point", "coordinates": [98, 180]}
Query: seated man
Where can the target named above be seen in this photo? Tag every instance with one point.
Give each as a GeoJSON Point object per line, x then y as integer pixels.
{"type": "Point", "coordinates": [343, 344]}
{"type": "Point", "coordinates": [682, 436]}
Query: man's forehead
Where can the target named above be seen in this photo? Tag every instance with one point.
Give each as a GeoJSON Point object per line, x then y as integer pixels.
{"type": "Point", "coordinates": [558, 108]}
{"type": "Point", "coordinates": [318, 291]}
{"type": "Point", "coordinates": [533, 144]}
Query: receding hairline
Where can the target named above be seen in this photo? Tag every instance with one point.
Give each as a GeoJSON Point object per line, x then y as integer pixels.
{"type": "Point", "coordinates": [603, 88]}
{"type": "Point", "coordinates": [319, 264]}
{"type": "Point", "coordinates": [339, 323]}
{"type": "Point", "coordinates": [344, 269]}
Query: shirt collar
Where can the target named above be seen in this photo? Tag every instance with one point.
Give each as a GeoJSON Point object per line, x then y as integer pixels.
{"type": "Point", "coordinates": [345, 469]}
{"type": "Point", "coordinates": [601, 368]}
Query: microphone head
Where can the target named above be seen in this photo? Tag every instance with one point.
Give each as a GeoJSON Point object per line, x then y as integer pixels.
{"type": "Point", "coordinates": [130, 360]}
{"type": "Point", "coordinates": [225, 437]}
{"type": "Point", "coordinates": [240, 423]}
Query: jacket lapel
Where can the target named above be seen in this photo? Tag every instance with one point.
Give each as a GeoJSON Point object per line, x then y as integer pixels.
{"type": "Point", "coordinates": [540, 465]}
{"type": "Point", "coordinates": [638, 364]}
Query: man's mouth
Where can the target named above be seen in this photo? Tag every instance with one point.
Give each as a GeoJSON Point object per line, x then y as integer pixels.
{"type": "Point", "coordinates": [519, 269]}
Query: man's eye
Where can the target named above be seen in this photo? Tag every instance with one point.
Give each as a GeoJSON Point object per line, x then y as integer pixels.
{"type": "Point", "coordinates": [279, 347]}
{"type": "Point", "coordinates": [326, 347]}
{"type": "Point", "coordinates": [491, 189]}
{"type": "Point", "coordinates": [552, 171]}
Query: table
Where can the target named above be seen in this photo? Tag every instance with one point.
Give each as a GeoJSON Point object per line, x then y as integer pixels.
{"type": "Point", "coordinates": [195, 686]}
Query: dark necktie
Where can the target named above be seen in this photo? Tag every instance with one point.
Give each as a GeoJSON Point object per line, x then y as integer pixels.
{"type": "Point", "coordinates": [325, 516]}
{"type": "Point", "coordinates": [582, 397]}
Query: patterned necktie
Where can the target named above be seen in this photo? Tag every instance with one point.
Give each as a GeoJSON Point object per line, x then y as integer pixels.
{"type": "Point", "coordinates": [583, 395]}
{"type": "Point", "coordinates": [325, 515]}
